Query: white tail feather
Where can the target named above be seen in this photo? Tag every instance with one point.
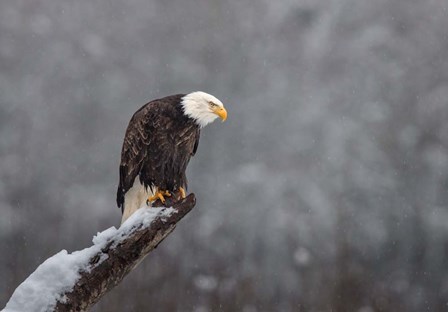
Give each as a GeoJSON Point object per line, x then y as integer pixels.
{"type": "Point", "coordinates": [135, 198]}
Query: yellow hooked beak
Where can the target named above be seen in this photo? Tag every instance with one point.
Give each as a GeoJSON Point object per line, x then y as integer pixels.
{"type": "Point", "coordinates": [221, 112]}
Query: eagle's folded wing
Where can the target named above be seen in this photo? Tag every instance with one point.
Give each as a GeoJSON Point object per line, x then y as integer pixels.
{"type": "Point", "coordinates": [135, 148]}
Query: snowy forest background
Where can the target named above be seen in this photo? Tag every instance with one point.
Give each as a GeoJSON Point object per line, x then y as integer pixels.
{"type": "Point", "coordinates": [326, 189]}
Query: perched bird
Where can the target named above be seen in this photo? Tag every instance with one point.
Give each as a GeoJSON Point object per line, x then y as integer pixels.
{"type": "Point", "coordinates": [160, 139]}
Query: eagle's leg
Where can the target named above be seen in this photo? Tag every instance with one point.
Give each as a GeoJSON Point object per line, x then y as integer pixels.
{"type": "Point", "coordinates": [158, 195]}
{"type": "Point", "coordinates": [183, 194]}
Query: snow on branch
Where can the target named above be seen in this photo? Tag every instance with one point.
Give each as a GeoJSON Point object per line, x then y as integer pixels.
{"type": "Point", "coordinates": [75, 281]}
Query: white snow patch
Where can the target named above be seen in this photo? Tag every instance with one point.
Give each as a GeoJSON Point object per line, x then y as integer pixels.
{"type": "Point", "coordinates": [45, 286]}
{"type": "Point", "coordinates": [58, 274]}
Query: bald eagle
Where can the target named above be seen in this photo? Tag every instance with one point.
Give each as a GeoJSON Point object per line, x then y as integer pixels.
{"type": "Point", "coordinates": [160, 139]}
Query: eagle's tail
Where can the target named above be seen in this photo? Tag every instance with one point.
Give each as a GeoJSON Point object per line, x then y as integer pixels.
{"type": "Point", "coordinates": [135, 198]}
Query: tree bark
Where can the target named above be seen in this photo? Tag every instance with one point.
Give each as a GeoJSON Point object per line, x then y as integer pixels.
{"type": "Point", "coordinates": [122, 258]}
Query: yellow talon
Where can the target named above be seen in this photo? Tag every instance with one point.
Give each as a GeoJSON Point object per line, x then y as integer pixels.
{"type": "Point", "coordinates": [182, 192]}
{"type": "Point", "coordinates": [159, 195]}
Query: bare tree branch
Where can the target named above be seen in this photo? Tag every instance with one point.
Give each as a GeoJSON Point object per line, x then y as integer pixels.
{"type": "Point", "coordinates": [122, 258]}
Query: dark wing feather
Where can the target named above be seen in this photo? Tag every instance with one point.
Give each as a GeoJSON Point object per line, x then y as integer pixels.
{"type": "Point", "coordinates": [196, 142]}
{"type": "Point", "coordinates": [192, 137]}
{"type": "Point", "coordinates": [135, 148]}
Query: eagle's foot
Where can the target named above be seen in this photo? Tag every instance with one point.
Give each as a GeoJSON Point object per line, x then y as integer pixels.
{"type": "Point", "coordinates": [166, 193]}
{"type": "Point", "coordinates": [158, 195]}
{"type": "Point", "coordinates": [183, 194]}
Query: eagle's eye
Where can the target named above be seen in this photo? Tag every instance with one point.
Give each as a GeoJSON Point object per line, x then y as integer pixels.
{"type": "Point", "coordinates": [212, 104]}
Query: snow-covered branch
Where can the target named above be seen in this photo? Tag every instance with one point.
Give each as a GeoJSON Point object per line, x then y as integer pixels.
{"type": "Point", "coordinates": [76, 281]}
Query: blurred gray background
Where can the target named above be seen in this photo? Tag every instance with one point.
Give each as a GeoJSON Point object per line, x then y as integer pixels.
{"type": "Point", "coordinates": [326, 189]}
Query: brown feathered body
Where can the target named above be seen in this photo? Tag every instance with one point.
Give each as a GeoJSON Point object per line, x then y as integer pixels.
{"type": "Point", "coordinates": [158, 144]}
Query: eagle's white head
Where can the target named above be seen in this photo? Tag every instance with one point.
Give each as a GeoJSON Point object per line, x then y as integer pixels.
{"type": "Point", "coordinates": [203, 108]}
